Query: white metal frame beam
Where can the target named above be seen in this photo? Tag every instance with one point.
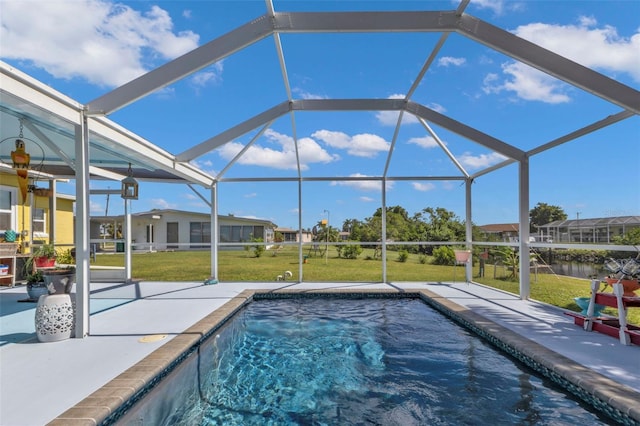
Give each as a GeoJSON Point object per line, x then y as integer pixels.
{"type": "Point", "coordinates": [82, 226]}
{"type": "Point", "coordinates": [120, 138]}
{"type": "Point", "coordinates": [359, 22]}
{"type": "Point", "coordinates": [405, 21]}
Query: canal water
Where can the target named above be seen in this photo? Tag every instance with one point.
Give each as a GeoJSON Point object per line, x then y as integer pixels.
{"type": "Point", "coordinates": [579, 269]}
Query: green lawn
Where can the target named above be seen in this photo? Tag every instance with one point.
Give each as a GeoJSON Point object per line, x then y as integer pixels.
{"type": "Point", "coordinates": [244, 266]}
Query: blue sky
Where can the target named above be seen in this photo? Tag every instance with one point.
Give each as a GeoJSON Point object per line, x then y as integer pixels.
{"type": "Point", "coordinates": [85, 48]}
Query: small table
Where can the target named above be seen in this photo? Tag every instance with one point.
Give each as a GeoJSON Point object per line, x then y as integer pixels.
{"type": "Point", "coordinates": [55, 318]}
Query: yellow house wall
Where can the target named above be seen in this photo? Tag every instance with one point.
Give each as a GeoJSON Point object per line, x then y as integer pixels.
{"type": "Point", "coordinates": [64, 222]}
{"type": "Point", "coordinates": [64, 215]}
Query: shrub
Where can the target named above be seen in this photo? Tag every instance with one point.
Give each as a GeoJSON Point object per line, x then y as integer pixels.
{"type": "Point", "coordinates": [351, 251]}
{"type": "Point", "coordinates": [444, 255]}
{"type": "Point", "coordinates": [64, 257]}
{"type": "Point", "coordinates": [422, 259]}
{"type": "Point", "coordinates": [403, 255]}
{"type": "Point", "coordinates": [258, 249]}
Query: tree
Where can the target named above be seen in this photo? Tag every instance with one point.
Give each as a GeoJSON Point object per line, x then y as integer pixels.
{"type": "Point", "coordinates": [322, 230]}
{"type": "Point", "coordinates": [544, 213]}
{"type": "Point", "coordinates": [439, 224]}
{"type": "Point", "coordinates": [510, 258]}
{"type": "Point", "coordinates": [631, 238]}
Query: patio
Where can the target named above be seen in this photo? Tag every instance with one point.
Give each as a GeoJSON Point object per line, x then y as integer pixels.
{"type": "Point", "coordinates": [64, 373]}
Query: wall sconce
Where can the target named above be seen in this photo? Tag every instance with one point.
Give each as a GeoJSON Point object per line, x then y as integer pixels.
{"type": "Point", "coordinates": [129, 186]}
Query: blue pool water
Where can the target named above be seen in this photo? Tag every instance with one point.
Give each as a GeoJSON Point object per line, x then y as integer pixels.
{"type": "Point", "coordinates": [347, 362]}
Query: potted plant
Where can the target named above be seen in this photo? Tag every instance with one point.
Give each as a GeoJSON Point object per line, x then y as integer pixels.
{"type": "Point", "coordinates": [36, 286]}
{"type": "Point", "coordinates": [59, 280]}
{"type": "Point", "coordinates": [44, 256]}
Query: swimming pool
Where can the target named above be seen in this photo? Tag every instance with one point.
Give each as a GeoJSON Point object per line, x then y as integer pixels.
{"type": "Point", "coordinates": [335, 361]}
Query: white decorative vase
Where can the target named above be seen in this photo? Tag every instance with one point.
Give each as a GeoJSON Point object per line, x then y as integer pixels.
{"type": "Point", "coordinates": [55, 318]}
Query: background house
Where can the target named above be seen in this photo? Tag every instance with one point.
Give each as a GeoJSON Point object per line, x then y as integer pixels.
{"type": "Point", "coordinates": [597, 230]}
{"type": "Point", "coordinates": [505, 232]}
{"type": "Point", "coordinates": [169, 229]}
{"type": "Point", "coordinates": [292, 235]}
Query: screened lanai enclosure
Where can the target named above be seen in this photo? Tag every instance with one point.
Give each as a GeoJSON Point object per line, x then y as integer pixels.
{"type": "Point", "coordinates": [423, 144]}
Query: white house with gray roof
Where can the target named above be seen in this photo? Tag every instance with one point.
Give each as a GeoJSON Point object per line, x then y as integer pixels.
{"type": "Point", "coordinates": [168, 229]}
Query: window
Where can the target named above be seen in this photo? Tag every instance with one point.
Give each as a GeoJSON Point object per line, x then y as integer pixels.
{"type": "Point", "coordinates": [225, 233]}
{"type": "Point", "coordinates": [199, 232]}
{"type": "Point", "coordinates": [258, 232]}
{"type": "Point", "coordinates": [39, 222]}
{"type": "Point", "coordinates": [235, 233]}
{"type": "Point", "coordinates": [240, 234]}
{"type": "Point", "coordinates": [172, 235]}
{"type": "Point", "coordinates": [7, 208]}
{"type": "Point", "coordinates": [247, 233]}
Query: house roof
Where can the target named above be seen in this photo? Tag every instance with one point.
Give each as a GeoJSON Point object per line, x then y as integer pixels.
{"type": "Point", "coordinates": [500, 227]}
{"type": "Point", "coordinates": [594, 222]}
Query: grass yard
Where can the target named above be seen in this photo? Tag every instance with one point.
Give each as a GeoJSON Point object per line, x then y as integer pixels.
{"type": "Point", "coordinates": [244, 266]}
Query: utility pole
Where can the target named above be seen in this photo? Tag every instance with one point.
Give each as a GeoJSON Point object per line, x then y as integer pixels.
{"type": "Point", "coordinates": [578, 225]}
{"type": "Point", "coordinates": [326, 252]}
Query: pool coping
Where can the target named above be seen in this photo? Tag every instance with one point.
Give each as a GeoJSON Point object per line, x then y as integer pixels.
{"type": "Point", "coordinates": [615, 399]}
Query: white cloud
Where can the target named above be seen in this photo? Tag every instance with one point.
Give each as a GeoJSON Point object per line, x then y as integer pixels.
{"type": "Point", "coordinates": [362, 145]}
{"type": "Point", "coordinates": [600, 48]}
{"type": "Point", "coordinates": [480, 161]}
{"type": "Point", "coordinates": [212, 75]}
{"type": "Point", "coordinates": [424, 142]}
{"type": "Point", "coordinates": [496, 6]}
{"type": "Point", "coordinates": [192, 200]}
{"type": "Point", "coordinates": [445, 61]}
{"type": "Point", "coordinates": [366, 199]}
{"type": "Point", "coordinates": [251, 195]}
{"type": "Point", "coordinates": [161, 203]}
{"type": "Point", "coordinates": [422, 186]}
{"type": "Point", "coordinates": [362, 185]}
{"type": "Point", "coordinates": [528, 84]}
{"type": "Point", "coordinates": [448, 185]}
{"type": "Point", "coordinates": [103, 42]}
{"type": "Point", "coordinates": [283, 158]}
{"type": "Point", "coordinates": [437, 107]}
{"type": "Point", "coordinates": [306, 95]}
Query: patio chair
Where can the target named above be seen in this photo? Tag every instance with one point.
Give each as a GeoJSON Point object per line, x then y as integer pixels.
{"type": "Point", "coordinates": [462, 258]}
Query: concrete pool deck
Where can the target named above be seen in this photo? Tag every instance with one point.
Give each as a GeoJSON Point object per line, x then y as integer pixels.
{"type": "Point", "coordinates": [42, 382]}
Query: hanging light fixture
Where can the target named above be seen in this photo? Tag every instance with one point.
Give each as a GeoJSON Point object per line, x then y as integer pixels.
{"type": "Point", "coordinates": [129, 186]}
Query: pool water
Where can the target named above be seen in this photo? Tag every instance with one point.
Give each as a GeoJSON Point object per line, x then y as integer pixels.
{"type": "Point", "coordinates": [348, 362]}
